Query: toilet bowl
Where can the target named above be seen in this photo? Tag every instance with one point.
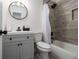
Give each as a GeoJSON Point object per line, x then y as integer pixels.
{"type": "Point", "coordinates": [44, 48]}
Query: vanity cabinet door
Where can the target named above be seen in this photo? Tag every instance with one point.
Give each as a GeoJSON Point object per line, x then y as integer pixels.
{"type": "Point", "coordinates": [11, 51]}
{"type": "Point", "coordinates": [27, 49]}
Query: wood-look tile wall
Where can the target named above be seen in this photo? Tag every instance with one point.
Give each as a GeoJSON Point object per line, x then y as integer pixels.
{"type": "Point", "coordinates": [64, 28]}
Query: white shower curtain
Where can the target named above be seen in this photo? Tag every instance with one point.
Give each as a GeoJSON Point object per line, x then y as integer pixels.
{"type": "Point", "coordinates": [46, 28]}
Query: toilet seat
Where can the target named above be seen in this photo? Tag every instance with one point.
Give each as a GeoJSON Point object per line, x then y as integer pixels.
{"type": "Point", "coordinates": [43, 46]}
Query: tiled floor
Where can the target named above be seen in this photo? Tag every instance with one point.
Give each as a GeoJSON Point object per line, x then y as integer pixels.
{"type": "Point", "coordinates": [37, 54]}
{"type": "Point", "coordinates": [50, 56]}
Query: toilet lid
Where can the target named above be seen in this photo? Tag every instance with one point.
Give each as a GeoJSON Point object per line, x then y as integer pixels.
{"type": "Point", "coordinates": [43, 45]}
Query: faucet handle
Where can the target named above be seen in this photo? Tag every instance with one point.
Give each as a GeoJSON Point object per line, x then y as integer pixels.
{"type": "Point", "coordinates": [18, 29]}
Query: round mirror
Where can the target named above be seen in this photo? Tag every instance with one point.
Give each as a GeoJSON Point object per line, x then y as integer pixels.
{"type": "Point", "coordinates": [18, 10]}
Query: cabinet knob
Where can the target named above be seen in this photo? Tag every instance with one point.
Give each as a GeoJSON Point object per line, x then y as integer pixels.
{"type": "Point", "coordinates": [21, 44]}
{"type": "Point", "coordinates": [27, 37]}
{"type": "Point", "coordinates": [5, 32]}
{"type": "Point", "coordinates": [10, 38]}
{"type": "Point", "coordinates": [18, 44]}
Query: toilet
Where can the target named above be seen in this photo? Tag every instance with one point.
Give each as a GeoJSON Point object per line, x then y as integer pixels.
{"type": "Point", "coordinates": [43, 47]}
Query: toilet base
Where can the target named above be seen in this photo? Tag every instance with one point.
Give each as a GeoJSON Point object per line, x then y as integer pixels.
{"type": "Point", "coordinates": [44, 55]}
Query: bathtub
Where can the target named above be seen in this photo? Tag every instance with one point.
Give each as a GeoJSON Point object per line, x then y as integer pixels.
{"type": "Point", "coordinates": [63, 50]}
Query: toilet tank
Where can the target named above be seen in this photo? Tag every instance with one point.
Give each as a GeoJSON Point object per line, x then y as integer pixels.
{"type": "Point", "coordinates": [38, 37]}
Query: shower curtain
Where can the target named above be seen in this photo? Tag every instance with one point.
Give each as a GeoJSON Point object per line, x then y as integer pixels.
{"type": "Point", "coordinates": [46, 28]}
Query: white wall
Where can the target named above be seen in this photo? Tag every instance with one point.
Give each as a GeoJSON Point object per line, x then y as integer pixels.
{"type": "Point", "coordinates": [32, 20]}
{"type": "Point", "coordinates": [0, 29]}
{"type": "Point", "coordinates": [0, 15]}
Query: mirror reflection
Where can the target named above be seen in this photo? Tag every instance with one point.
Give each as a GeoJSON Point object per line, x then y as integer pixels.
{"type": "Point", "coordinates": [18, 10]}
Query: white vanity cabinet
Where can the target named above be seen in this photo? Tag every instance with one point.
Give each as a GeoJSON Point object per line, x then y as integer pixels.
{"type": "Point", "coordinates": [10, 51]}
{"type": "Point", "coordinates": [18, 46]}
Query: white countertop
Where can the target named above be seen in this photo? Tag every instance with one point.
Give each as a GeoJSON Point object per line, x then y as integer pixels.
{"type": "Point", "coordinates": [21, 32]}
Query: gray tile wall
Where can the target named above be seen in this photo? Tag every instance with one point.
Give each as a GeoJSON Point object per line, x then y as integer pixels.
{"type": "Point", "coordinates": [63, 26]}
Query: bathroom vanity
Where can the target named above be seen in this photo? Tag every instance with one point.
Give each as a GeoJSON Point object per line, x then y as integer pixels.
{"type": "Point", "coordinates": [18, 46]}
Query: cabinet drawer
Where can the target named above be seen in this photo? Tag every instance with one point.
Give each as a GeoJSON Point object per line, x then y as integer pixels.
{"type": "Point", "coordinates": [15, 38]}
